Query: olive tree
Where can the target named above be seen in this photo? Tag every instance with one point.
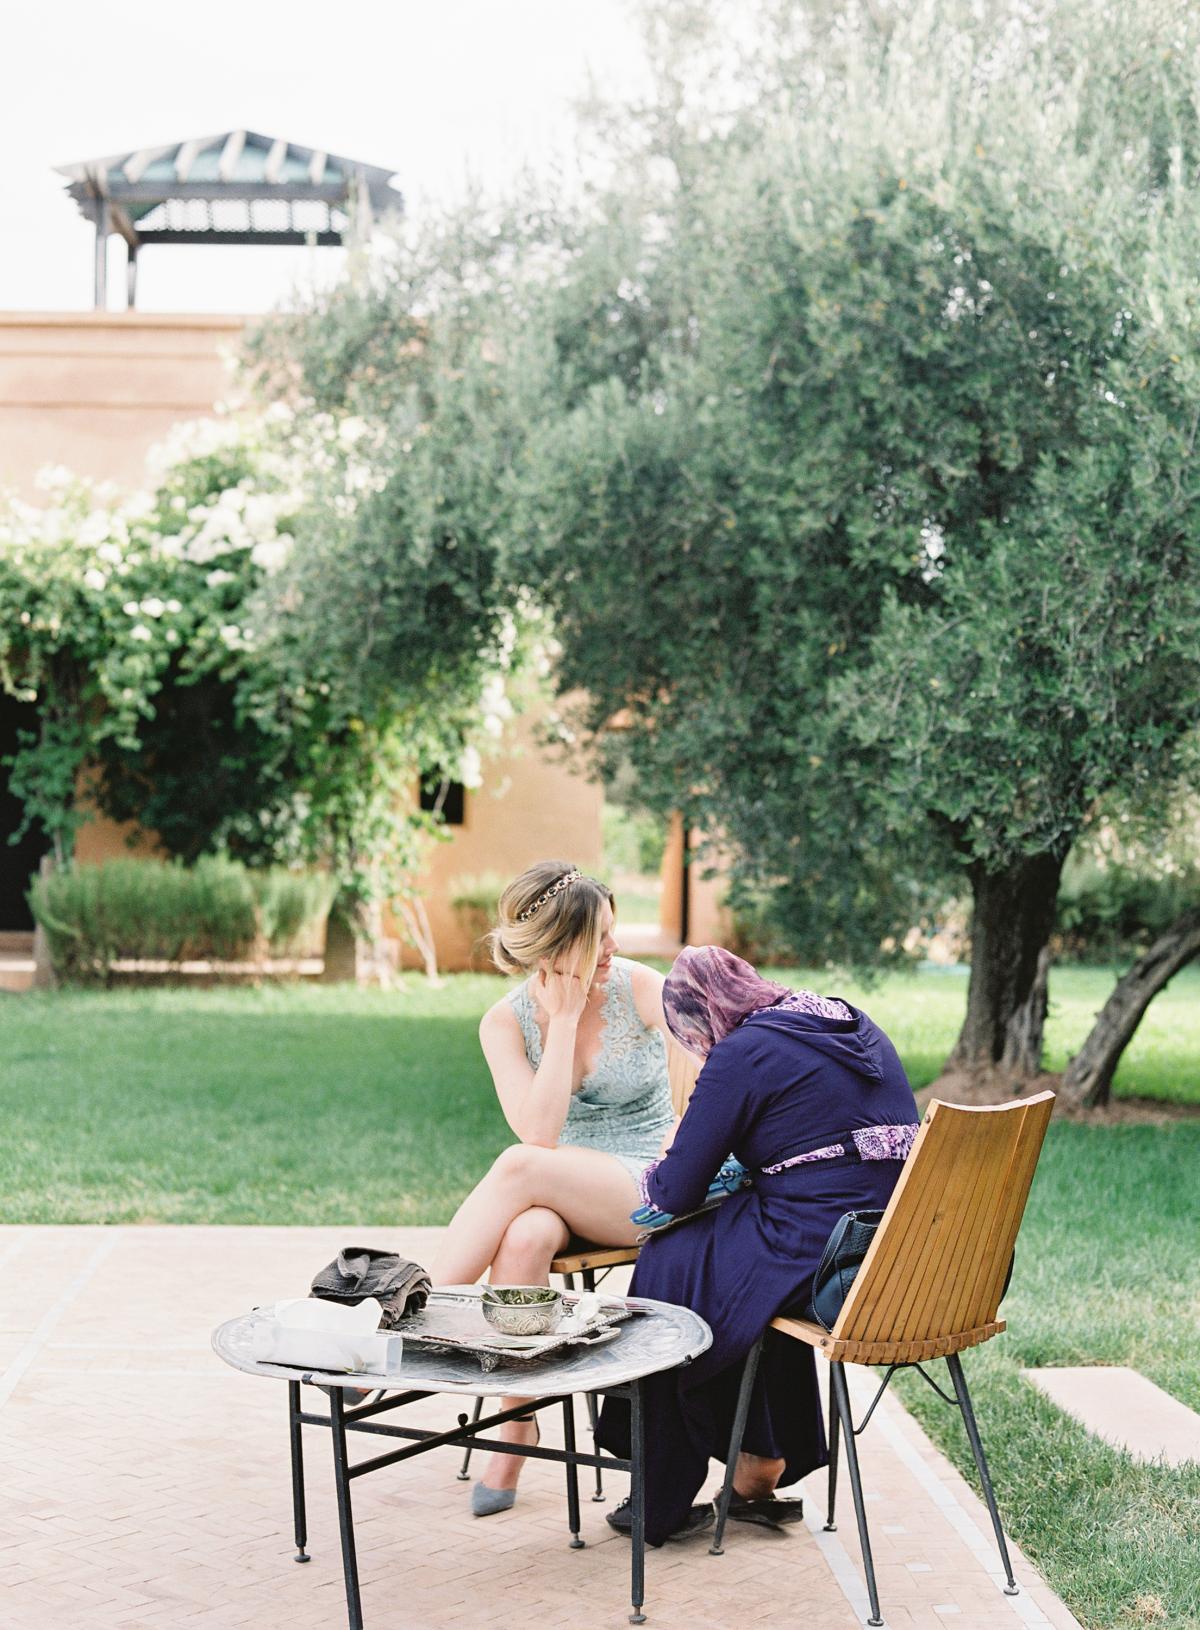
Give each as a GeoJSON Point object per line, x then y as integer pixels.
{"type": "Point", "coordinates": [889, 551]}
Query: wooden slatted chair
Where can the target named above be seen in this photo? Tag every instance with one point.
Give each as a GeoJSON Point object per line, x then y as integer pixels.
{"type": "Point", "coordinates": [590, 1263]}
{"type": "Point", "coordinates": [928, 1288]}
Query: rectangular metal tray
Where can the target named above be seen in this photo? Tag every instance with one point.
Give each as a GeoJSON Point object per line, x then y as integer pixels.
{"type": "Point", "coordinates": [453, 1321]}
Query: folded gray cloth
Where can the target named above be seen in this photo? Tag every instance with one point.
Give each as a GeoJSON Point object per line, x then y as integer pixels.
{"type": "Point", "coordinates": [401, 1286]}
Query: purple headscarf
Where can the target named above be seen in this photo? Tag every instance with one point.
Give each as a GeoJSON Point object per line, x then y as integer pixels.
{"type": "Point", "coordinates": [709, 991]}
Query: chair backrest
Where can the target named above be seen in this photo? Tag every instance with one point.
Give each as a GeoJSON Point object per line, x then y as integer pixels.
{"type": "Point", "coordinates": [682, 1069]}
{"type": "Point", "coordinates": [937, 1264]}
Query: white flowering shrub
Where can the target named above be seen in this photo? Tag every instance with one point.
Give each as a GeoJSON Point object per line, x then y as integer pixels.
{"type": "Point", "coordinates": [105, 601]}
{"type": "Point", "coordinates": [153, 632]}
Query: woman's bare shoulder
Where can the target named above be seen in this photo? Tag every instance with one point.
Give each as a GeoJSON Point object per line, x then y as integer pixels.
{"type": "Point", "coordinates": [644, 977]}
{"type": "Point", "coordinates": [647, 986]}
{"type": "Point", "coordinates": [499, 1019]}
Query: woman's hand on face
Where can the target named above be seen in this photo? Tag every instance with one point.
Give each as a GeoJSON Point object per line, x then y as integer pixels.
{"type": "Point", "coordinates": [560, 991]}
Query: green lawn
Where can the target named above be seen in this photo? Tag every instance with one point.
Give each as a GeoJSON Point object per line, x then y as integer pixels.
{"type": "Point", "coordinates": [332, 1105]}
{"type": "Point", "coordinates": [276, 1105]}
{"type": "Point", "coordinates": [327, 1104]}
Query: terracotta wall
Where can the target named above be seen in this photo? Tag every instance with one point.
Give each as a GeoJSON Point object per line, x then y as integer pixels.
{"type": "Point", "coordinates": [95, 390]}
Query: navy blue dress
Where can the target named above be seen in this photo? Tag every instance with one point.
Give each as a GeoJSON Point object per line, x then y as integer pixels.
{"type": "Point", "coordinates": [785, 1083]}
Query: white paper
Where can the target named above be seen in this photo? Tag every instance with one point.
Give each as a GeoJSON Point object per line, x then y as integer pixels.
{"type": "Point", "coordinates": [313, 1313]}
{"type": "Point", "coordinates": [308, 1333]}
{"type": "Point", "coordinates": [587, 1307]}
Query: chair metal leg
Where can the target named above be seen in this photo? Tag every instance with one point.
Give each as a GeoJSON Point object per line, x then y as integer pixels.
{"type": "Point", "coordinates": [298, 1511]}
{"type": "Point", "coordinates": [749, 1371]}
{"type": "Point", "coordinates": [834, 1433]}
{"type": "Point", "coordinates": [572, 1473]}
{"type": "Point", "coordinates": [593, 1426]}
{"type": "Point", "coordinates": [341, 1474]}
{"type": "Point", "coordinates": [637, 1501]}
{"type": "Point", "coordinates": [841, 1393]}
{"type": "Point", "coordinates": [464, 1469]}
{"type": "Point", "coordinates": [954, 1365]}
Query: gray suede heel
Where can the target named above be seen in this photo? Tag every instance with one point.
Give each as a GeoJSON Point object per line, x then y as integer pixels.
{"type": "Point", "coordinates": [485, 1502]}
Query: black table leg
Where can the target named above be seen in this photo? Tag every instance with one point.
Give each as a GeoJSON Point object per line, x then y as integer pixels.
{"type": "Point", "coordinates": [341, 1473]}
{"type": "Point", "coordinates": [298, 1513]}
{"type": "Point", "coordinates": [637, 1500]}
{"type": "Point", "coordinates": [572, 1473]}
{"type": "Point", "coordinates": [464, 1473]}
{"type": "Point", "coordinates": [589, 1283]}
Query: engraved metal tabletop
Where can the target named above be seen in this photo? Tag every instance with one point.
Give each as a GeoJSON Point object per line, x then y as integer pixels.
{"type": "Point", "coordinates": [657, 1340]}
{"type": "Point", "coordinates": [453, 1319]}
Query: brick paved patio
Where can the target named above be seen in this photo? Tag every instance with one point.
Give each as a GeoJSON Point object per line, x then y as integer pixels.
{"type": "Point", "coordinates": [145, 1485]}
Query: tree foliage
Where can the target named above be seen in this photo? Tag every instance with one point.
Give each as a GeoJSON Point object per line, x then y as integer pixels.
{"type": "Point", "coordinates": [890, 552]}
{"type": "Point", "coordinates": [846, 434]}
{"type": "Point", "coordinates": [394, 585]}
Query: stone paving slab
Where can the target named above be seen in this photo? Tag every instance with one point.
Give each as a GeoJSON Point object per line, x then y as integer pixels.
{"type": "Point", "coordinates": [145, 1485]}
{"type": "Point", "coordinates": [1126, 1409]}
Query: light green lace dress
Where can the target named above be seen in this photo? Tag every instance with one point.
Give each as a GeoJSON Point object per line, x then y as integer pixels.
{"type": "Point", "coordinates": [623, 1106]}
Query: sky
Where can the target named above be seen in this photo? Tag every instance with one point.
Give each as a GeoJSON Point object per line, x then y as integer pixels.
{"type": "Point", "coordinates": [441, 92]}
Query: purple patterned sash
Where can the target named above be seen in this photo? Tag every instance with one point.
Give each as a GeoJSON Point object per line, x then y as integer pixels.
{"type": "Point", "coordinates": [870, 1143]}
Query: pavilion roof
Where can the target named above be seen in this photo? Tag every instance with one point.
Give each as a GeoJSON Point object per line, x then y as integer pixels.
{"type": "Point", "coordinates": [236, 187]}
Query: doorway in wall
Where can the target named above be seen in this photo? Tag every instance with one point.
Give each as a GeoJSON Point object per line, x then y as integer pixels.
{"type": "Point", "coordinates": [637, 864]}
{"type": "Point", "coordinates": [18, 861]}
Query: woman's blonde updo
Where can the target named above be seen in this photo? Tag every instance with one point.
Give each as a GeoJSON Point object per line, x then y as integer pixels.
{"type": "Point", "coordinates": [542, 916]}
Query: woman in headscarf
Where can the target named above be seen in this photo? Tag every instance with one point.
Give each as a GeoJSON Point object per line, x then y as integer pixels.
{"type": "Point", "coordinates": [810, 1095]}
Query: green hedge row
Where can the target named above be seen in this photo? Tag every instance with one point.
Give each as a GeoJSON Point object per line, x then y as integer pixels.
{"type": "Point", "coordinates": [162, 911]}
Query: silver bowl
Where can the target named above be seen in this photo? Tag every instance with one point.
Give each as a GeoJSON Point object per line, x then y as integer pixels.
{"type": "Point", "coordinates": [522, 1310]}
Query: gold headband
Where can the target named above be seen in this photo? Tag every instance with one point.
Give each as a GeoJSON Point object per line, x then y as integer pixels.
{"type": "Point", "coordinates": [555, 888]}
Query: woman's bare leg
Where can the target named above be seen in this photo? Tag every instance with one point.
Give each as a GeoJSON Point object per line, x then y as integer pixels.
{"type": "Point", "coordinates": [590, 1191]}
{"type": "Point", "coordinates": [515, 1221]}
{"type": "Point", "coordinates": [530, 1244]}
{"type": "Point", "coordinates": [756, 1476]}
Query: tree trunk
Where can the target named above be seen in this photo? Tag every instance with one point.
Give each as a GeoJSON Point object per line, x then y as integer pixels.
{"type": "Point", "coordinates": [355, 947]}
{"type": "Point", "coordinates": [1006, 1000]}
{"type": "Point", "coordinates": [417, 926]}
{"type": "Point", "coordinates": [376, 961]}
{"type": "Point", "coordinates": [44, 976]}
{"type": "Point", "coordinates": [1087, 1080]}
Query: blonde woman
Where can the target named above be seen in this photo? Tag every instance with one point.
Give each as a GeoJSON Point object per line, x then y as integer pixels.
{"type": "Point", "coordinates": [577, 1053]}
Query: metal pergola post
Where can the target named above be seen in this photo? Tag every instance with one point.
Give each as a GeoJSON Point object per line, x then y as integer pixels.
{"type": "Point", "coordinates": [100, 294]}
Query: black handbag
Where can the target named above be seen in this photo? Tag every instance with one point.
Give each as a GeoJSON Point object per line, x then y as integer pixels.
{"type": "Point", "coordinates": [840, 1261]}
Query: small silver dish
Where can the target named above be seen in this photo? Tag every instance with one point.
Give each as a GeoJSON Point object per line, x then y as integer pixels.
{"type": "Point", "coordinates": [522, 1310]}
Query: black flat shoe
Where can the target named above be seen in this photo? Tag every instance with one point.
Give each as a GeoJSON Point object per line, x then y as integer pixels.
{"type": "Point", "coordinates": [621, 1519]}
{"type": "Point", "coordinates": [766, 1513]}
